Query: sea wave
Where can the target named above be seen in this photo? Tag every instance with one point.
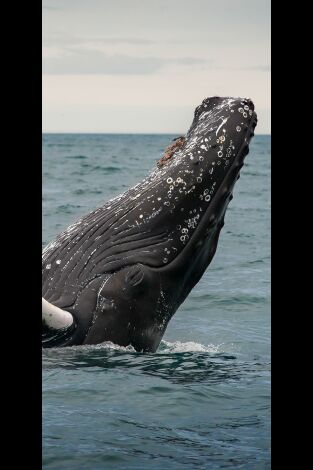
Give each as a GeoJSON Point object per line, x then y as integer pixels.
{"type": "Point", "coordinates": [166, 347]}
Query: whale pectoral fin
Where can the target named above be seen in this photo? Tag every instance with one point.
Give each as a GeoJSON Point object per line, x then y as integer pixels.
{"type": "Point", "coordinates": [55, 318]}
{"type": "Point", "coordinates": [57, 325]}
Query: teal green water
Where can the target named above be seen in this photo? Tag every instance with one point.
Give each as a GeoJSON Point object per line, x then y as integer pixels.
{"type": "Point", "coordinates": [203, 400]}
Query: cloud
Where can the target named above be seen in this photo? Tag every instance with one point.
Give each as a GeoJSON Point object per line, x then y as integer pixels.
{"type": "Point", "coordinates": [49, 7]}
{"type": "Point", "coordinates": [74, 62]}
{"type": "Point", "coordinates": [257, 68]}
{"type": "Point", "coordinates": [261, 68]}
{"type": "Point", "coordinates": [64, 40]}
{"type": "Point", "coordinates": [103, 54]}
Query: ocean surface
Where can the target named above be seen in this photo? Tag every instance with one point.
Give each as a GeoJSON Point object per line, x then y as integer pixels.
{"type": "Point", "coordinates": [202, 401]}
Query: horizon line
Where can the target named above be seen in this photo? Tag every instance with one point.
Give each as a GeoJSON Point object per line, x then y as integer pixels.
{"type": "Point", "coordinates": [124, 133]}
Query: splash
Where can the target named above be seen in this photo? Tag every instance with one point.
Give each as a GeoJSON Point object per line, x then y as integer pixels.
{"type": "Point", "coordinates": [105, 346]}
{"type": "Point", "coordinates": [188, 346]}
{"type": "Point", "coordinates": [166, 347]}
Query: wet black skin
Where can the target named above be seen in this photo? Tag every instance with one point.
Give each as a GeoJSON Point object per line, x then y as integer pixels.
{"type": "Point", "coordinates": [131, 303]}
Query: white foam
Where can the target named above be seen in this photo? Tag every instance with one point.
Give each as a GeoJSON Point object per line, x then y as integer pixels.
{"type": "Point", "coordinates": [166, 347]}
{"type": "Point", "coordinates": [189, 346]}
{"type": "Point", "coordinates": [105, 346]}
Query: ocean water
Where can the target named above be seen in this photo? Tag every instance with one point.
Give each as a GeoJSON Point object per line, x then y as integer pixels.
{"type": "Point", "coordinates": [202, 401]}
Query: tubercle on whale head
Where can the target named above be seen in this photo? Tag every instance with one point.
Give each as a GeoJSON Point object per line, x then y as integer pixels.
{"type": "Point", "coordinates": [204, 110]}
{"type": "Point", "coordinates": [215, 101]}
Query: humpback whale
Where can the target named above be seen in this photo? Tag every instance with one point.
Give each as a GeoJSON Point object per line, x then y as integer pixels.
{"type": "Point", "coordinates": [121, 272]}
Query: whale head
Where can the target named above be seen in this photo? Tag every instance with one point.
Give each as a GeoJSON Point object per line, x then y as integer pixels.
{"type": "Point", "coordinates": [123, 270]}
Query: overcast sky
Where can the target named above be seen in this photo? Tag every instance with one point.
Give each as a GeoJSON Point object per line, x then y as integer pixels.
{"type": "Point", "coordinates": [144, 65]}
